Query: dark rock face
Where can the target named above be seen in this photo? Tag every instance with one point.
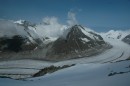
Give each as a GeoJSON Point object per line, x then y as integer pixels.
{"type": "Point", "coordinates": [12, 44]}
{"type": "Point", "coordinates": [127, 39]}
{"type": "Point", "coordinates": [16, 44]}
{"type": "Point", "coordinates": [50, 69]}
{"type": "Point", "coordinates": [74, 42]}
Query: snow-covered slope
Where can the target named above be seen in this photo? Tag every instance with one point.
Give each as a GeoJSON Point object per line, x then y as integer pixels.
{"type": "Point", "coordinates": [19, 69]}
{"type": "Point", "coordinates": [10, 29]}
{"type": "Point", "coordinates": [116, 34]}
{"type": "Point", "coordinates": [109, 74]}
{"type": "Point", "coordinates": [19, 35]}
{"type": "Point", "coordinates": [19, 22]}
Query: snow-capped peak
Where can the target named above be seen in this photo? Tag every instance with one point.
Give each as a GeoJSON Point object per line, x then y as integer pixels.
{"type": "Point", "coordinates": [81, 32]}
{"type": "Point", "coordinates": [118, 34]}
{"type": "Point", "coordinates": [9, 29]}
{"type": "Point", "coordinates": [20, 21]}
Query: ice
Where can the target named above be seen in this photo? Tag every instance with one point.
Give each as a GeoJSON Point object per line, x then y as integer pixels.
{"type": "Point", "coordinates": [79, 75]}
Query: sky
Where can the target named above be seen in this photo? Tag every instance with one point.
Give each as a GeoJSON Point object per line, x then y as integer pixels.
{"type": "Point", "coordinates": [97, 14]}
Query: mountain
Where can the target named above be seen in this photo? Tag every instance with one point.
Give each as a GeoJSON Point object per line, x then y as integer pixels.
{"type": "Point", "coordinates": [21, 22]}
{"type": "Point", "coordinates": [77, 43]}
{"type": "Point", "coordinates": [23, 36]}
{"type": "Point", "coordinates": [24, 23]}
{"type": "Point", "coordinates": [127, 39]}
{"type": "Point", "coordinates": [17, 36]}
{"type": "Point", "coordinates": [115, 34]}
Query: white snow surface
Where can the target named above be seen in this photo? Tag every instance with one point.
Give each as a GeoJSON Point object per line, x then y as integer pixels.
{"type": "Point", "coordinates": [19, 21]}
{"type": "Point", "coordinates": [116, 34]}
{"type": "Point", "coordinates": [87, 33]}
{"type": "Point", "coordinates": [51, 39]}
{"type": "Point", "coordinates": [85, 40]}
{"type": "Point", "coordinates": [79, 75]}
{"type": "Point", "coordinates": [88, 74]}
{"type": "Point", "coordinates": [21, 68]}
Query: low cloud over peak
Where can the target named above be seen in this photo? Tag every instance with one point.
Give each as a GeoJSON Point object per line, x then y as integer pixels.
{"type": "Point", "coordinates": [71, 18]}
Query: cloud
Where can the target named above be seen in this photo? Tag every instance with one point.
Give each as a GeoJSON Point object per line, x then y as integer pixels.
{"type": "Point", "coordinates": [9, 29]}
{"type": "Point", "coordinates": [50, 20]}
{"type": "Point", "coordinates": [50, 27]}
{"type": "Point", "coordinates": [71, 18]}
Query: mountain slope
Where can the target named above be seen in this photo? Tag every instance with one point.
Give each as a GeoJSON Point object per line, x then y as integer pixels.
{"type": "Point", "coordinates": [114, 74]}
{"type": "Point", "coordinates": [115, 34]}
{"type": "Point", "coordinates": [127, 39]}
{"type": "Point", "coordinates": [77, 43]}
{"type": "Point", "coordinates": [11, 33]}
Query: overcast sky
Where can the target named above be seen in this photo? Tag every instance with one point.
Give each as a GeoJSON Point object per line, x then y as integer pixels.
{"type": "Point", "coordinates": [90, 13]}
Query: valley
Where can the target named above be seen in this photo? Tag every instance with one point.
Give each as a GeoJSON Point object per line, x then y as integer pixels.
{"type": "Point", "coordinates": [81, 57]}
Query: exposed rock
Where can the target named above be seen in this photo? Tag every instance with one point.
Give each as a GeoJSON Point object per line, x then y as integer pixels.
{"type": "Point", "coordinates": [77, 43]}
{"type": "Point", "coordinates": [127, 39]}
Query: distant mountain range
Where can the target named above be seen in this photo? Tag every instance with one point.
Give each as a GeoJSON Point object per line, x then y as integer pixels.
{"type": "Point", "coordinates": [116, 34]}
{"type": "Point", "coordinates": [75, 41]}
